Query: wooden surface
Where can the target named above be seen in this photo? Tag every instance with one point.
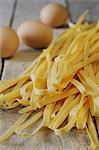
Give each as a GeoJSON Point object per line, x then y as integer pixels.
{"type": "Point", "coordinates": [5, 16]}
{"type": "Point", "coordinates": [77, 7]}
{"type": "Point", "coordinates": [14, 12]}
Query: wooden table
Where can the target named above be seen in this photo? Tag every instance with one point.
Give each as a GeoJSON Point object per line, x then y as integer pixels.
{"type": "Point", "coordinates": [12, 13]}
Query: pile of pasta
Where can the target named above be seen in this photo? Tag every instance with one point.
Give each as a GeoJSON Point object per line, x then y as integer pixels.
{"type": "Point", "coordinates": [61, 87]}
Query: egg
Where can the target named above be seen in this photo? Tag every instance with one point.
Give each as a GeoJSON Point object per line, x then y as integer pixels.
{"type": "Point", "coordinates": [9, 42]}
{"type": "Point", "coordinates": [54, 15]}
{"type": "Point", "coordinates": [35, 34]}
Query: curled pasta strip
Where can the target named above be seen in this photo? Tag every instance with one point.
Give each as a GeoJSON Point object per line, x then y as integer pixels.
{"type": "Point", "coordinates": [60, 86]}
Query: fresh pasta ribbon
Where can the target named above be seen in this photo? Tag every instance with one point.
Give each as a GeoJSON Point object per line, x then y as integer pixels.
{"type": "Point", "coordinates": [29, 122]}
{"type": "Point", "coordinates": [61, 87]}
{"type": "Point", "coordinates": [11, 130]}
{"type": "Point", "coordinates": [92, 133]}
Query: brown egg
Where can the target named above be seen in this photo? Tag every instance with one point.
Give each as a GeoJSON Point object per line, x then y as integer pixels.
{"type": "Point", "coordinates": [35, 34]}
{"type": "Point", "coordinates": [9, 42]}
{"type": "Point", "coordinates": [54, 15]}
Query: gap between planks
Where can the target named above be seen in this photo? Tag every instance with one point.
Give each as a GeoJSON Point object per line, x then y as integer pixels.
{"type": "Point", "coordinates": [74, 139]}
{"type": "Point", "coordinates": [2, 60]}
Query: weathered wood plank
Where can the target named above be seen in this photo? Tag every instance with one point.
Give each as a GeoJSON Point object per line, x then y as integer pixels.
{"type": "Point", "coordinates": [14, 67]}
{"type": "Point", "coordinates": [6, 8]}
{"type": "Point", "coordinates": [77, 7]}
{"type": "Point", "coordinates": [25, 10]}
{"type": "Point", "coordinates": [5, 16]}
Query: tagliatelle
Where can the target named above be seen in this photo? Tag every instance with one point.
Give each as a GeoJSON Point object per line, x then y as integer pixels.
{"type": "Point", "coordinates": [92, 133]}
{"type": "Point", "coordinates": [29, 122]}
{"type": "Point", "coordinates": [61, 86]}
{"type": "Point", "coordinates": [11, 130]}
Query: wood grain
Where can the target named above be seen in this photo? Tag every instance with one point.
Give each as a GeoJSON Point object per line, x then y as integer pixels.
{"type": "Point", "coordinates": [77, 7]}
{"type": "Point", "coordinates": [44, 139]}
{"type": "Point", "coordinates": [6, 8]}
{"type": "Point", "coordinates": [5, 16]}
{"type": "Point", "coordinates": [26, 10]}
{"type": "Point", "coordinates": [24, 56]}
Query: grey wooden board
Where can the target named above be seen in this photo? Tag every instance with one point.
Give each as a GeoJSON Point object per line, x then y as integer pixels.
{"type": "Point", "coordinates": [6, 7]}
{"type": "Point", "coordinates": [77, 7]}
{"type": "Point", "coordinates": [45, 139]}
{"type": "Point", "coordinates": [26, 10]}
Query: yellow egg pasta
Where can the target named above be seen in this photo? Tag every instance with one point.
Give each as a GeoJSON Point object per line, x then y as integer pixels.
{"type": "Point", "coordinates": [61, 87]}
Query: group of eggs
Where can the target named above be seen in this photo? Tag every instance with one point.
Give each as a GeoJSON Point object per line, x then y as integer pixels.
{"type": "Point", "coordinates": [34, 34]}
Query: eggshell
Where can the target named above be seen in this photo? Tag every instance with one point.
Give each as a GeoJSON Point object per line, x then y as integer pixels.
{"type": "Point", "coordinates": [9, 42]}
{"type": "Point", "coordinates": [54, 15]}
{"type": "Point", "coordinates": [35, 34]}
